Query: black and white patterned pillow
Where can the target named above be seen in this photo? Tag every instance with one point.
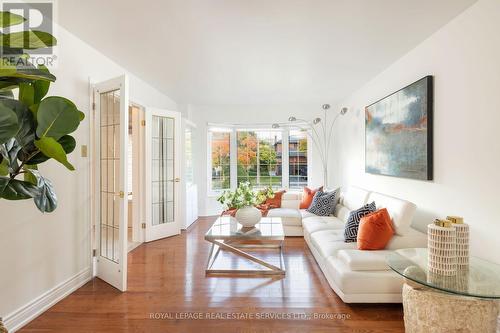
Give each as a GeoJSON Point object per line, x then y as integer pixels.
{"type": "Point", "coordinates": [323, 203]}
{"type": "Point", "coordinates": [352, 225]}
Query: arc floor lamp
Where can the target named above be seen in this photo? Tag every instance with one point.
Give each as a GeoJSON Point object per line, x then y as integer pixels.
{"type": "Point", "coordinates": [320, 131]}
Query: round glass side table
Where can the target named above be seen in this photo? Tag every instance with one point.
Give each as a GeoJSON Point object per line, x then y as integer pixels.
{"type": "Point", "coordinates": [465, 302]}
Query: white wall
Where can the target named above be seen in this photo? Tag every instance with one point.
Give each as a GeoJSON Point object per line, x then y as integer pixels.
{"type": "Point", "coordinates": [464, 57]}
{"type": "Point", "coordinates": [244, 114]}
{"type": "Point", "coordinates": [39, 251]}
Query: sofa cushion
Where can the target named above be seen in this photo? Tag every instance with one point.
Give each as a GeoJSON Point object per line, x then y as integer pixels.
{"type": "Point", "coordinates": [307, 197]}
{"type": "Point", "coordinates": [328, 242]}
{"type": "Point", "coordinates": [323, 203]}
{"type": "Point", "coordinates": [358, 260]}
{"type": "Point", "coordinates": [275, 201]}
{"type": "Point", "coordinates": [291, 200]}
{"type": "Point", "coordinates": [291, 195]}
{"type": "Point", "coordinates": [288, 216]}
{"type": "Point", "coordinates": [412, 239]}
{"type": "Point", "coordinates": [401, 211]}
{"type": "Point", "coordinates": [375, 230]}
{"type": "Point", "coordinates": [305, 214]}
{"type": "Point", "coordinates": [342, 212]}
{"type": "Point", "coordinates": [352, 225]}
{"type": "Point", "coordinates": [362, 282]}
{"type": "Point", "coordinates": [317, 223]}
{"type": "Point", "coordinates": [354, 197]}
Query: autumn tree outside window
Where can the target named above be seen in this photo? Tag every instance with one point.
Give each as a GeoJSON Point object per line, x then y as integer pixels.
{"type": "Point", "coordinates": [221, 175]}
{"type": "Point", "coordinates": [263, 157]}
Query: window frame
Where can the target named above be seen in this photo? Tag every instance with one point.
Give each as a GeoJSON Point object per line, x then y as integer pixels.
{"type": "Point", "coordinates": [308, 159]}
{"type": "Point", "coordinates": [258, 165]}
{"type": "Point", "coordinates": [216, 192]}
{"type": "Point", "coordinates": [233, 156]}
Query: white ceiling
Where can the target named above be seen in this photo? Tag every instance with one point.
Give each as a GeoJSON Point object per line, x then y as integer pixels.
{"type": "Point", "coordinates": [256, 51]}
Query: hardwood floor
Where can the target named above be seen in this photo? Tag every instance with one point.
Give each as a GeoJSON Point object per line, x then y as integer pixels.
{"type": "Point", "coordinates": [166, 281]}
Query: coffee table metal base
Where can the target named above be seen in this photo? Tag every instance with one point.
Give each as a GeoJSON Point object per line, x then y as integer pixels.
{"type": "Point", "coordinates": [236, 247]}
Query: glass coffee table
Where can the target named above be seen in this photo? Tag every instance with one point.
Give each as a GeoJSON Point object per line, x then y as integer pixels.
{"type": "Point", "coordinates": [465, 302]}
{"type": "Point", "coordinates": [227, 234]}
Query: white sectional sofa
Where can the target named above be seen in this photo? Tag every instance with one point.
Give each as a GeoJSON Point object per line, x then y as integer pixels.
{"type": "Point", "coordinates": [356, 276]}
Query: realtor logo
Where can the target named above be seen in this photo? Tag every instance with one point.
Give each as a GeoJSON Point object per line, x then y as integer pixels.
{"type": "Point", "coordinates": [37, 27]}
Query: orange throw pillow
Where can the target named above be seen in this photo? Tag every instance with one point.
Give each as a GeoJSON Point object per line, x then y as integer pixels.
{"type": "Point", "coordinates": [275, 202]}
{"type": "Point", "coordinates": [375, 230]}
{"type": "Point", "coordinates": [307, 197]}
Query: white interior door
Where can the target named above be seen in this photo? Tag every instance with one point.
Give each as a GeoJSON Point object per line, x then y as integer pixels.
{"type": "Point", "coordinates": [110, 165]}
{"type": "Point", "coordinates": [163, 162]}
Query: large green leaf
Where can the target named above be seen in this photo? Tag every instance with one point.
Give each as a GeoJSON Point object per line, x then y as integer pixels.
{"type": "Point", "coordinates": [12, 52]}
{"type": "Point", "coordinates": [9, 151]}
{"type": "Point", "coordinates": [22, 73]}
{"type": "Point", "coordinates": [28, 40]}
{"type": "Point", "coordinates": [46, 199]}
{"type": "Point", "coordinates": [56, 116]}
{"type": "Point", "coordinates": [7, 94]}
{"type": "Point", "coordinates": [26, 123]}
{"type": "Point", "coordinates": [27, 127]}
{"type": "Point", "coordinates": [28, 175]}
{"type": "Point", "coordinates": [51, 148]}
{"type": "Point", "coordinates": [4, 166]}
{"type": "Point", "coordinates": [7, 86]}
{"type": "Point", "coordinates": [34, 74]}
{"type": "Point", "coordinates": [67, 142]}
{"type": "Point", "coordinates": [27, 94]}
{"type": "Point", "coordinates": [7, 19]}
{"type": "Point", "coordinates": [13, 189]}
{"type": "Point", "coordinates": [9, 124]}
{"type": "Point", "coordinates": [41, 86]}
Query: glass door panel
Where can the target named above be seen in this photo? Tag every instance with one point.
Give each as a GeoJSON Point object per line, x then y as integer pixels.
{"type": "Point", "coordinates": [110, 170]}
{"type": "Point", "coordinates": [109, 174]}
{"type": "Point", "coordinates": [162, 136]}
{"type": "Point", "coordinates": [163, 175]}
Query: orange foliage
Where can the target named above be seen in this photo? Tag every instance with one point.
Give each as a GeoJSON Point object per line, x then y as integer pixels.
{"type": "Point", "coordinates": [247, 149]}
{"type": "Point", "coordinates": [220, 148]}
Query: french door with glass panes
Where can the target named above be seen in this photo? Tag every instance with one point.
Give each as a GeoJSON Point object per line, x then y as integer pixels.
{"type": "Point", "coordinates": [163, 161]}
{"type": "Point", "coordinates": [110, 182]}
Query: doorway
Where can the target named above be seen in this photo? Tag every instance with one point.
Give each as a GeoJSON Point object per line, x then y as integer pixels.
{"type": "Point", "coordinates": [135, 176]}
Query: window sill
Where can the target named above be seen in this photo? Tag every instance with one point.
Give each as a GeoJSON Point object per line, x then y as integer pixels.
{"type": "Point", "coordinates": [214, 194]}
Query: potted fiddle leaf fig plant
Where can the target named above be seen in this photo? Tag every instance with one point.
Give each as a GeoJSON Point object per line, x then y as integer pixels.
{"type": "Point", "coordinates": [34, 127]}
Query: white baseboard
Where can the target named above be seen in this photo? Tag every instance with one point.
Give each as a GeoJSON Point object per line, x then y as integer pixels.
{"type": "Point", "coordinates": [36, 307]}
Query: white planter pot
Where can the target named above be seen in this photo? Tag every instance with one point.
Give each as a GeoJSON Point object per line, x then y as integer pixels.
{"type": "Point", "coordinates": [248, 216]}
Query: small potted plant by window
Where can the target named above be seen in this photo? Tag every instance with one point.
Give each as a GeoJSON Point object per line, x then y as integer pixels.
{"type": "Point", "coordinates": [244, 200]}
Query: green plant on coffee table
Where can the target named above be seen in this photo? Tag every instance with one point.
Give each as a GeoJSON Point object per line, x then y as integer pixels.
{"type": "Point", "coordinates": [34, 128]}
{"type": "Point", "coordinates": [243, 196]}
{"type": "Point", "coordinates": [265, 194]}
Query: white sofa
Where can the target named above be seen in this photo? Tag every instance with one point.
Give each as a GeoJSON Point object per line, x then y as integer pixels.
{"type": "Point", "coordinates": [356, 276]}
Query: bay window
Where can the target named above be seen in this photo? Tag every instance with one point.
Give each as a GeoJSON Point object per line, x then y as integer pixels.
{"type": "Point", "coordinates": [264, 157]}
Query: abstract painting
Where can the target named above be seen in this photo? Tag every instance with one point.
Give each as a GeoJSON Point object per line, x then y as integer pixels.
{"type": "Point", "coordinates": [398, 133]}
